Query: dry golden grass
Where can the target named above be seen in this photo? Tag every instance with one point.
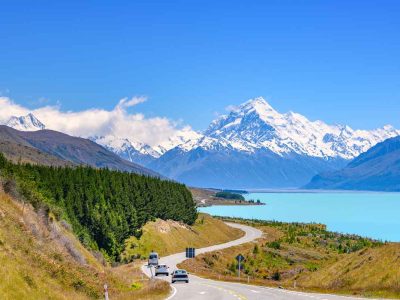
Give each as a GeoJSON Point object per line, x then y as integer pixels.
{"type": "Point", "coordinates": [213, 265]}
{"type": "Point", "coordinates": [140, 287]}
{"type": "Point", "coordinates": [314, 266]}
{"type": "Point", "coordinates": [40, 259]}
{"type": "Point", "coordinates": [167, 237]}
{"type": "Point", "coordinates": [370, 272]}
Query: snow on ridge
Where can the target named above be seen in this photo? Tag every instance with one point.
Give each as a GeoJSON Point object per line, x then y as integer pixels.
{"type": "Point", "coordinates": [124, 145]}
{"type": "Point", "coordinates": [256, 125]}
{"type": "Point", "coordinates": [25, 123]}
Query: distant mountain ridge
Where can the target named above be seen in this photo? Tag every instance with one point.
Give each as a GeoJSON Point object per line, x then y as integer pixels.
{"type": "Point", "coordinates": [58, 147]}
{"type": "Point", "coordinates": [378, 169]}
{"type": "Point", "coordinates": [253, 146]}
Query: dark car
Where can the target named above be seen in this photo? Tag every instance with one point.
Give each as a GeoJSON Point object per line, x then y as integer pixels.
{"type": "Point", "coordinates": [180, 275]}
{"type": "Point", "coordinates": [153, 259]}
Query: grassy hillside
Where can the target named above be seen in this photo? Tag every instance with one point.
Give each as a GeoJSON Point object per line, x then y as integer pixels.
{"type": "Point", "coordinates": [41, 259]}
{"type": "Point", "coordinates": [44, 257]}
{"type": "Point", "coordinates": [369, 272]}
{"type": "Point", "coordinates": [307, 257]}
{"type": "Point", "coordinates": [104, 207]}
{"type": "Point", "coordinates": [167, 237]}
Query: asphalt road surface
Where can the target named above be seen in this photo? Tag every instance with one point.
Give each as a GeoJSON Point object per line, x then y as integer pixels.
{"type": "Point", "coordinates": [199, 288]}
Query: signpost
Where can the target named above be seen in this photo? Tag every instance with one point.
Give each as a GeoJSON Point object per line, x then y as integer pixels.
{"type": "Point", "coordinates": [240, 258]}
{"type": "Point", "coordinates": [190, 252]}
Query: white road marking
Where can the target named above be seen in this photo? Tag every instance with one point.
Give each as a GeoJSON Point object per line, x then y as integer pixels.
{"type": "Point", "coordinates": [257, 292]}
{"type": "Point", "coordinates": [173, 293]}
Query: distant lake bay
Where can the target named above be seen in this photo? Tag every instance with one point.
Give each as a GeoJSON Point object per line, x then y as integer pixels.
{"type": "Point", "coordinates": [375, 215]}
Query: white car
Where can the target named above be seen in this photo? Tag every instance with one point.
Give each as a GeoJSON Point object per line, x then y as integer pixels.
{"type": "Point", "coordinates": [180, 276]}
{"type": "Point", "coordinates": [161, 270]}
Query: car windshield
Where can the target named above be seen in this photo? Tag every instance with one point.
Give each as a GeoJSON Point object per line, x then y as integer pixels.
{"type": "Point", "coordinates": [180, 272]}
{"type": "Point", "coordinates": [153, 256]}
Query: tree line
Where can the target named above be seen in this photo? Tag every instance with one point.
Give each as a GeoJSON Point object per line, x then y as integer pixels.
{"type": "Point", "coordinates": [104, 207]}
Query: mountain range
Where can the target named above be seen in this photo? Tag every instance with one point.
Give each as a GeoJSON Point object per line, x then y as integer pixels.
{"type": "Point", "coordinates": [378, 169]}
{"type": "Point", "coordinates": [50, 147]}
{"type": "Point", "coordinates": [253, 146]}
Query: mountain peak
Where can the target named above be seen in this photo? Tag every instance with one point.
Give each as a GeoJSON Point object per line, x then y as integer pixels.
{"type": "Point", "coordinates": [258, 104]}
{"type": "Point", "coordinates": [25, 123]}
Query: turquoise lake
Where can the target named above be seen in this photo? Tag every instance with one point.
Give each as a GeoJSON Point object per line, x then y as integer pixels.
{"type": "Point", "coordinates": [375, 215]}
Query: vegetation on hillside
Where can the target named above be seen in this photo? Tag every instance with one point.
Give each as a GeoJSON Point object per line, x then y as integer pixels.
{"type": "Point", "coordinates": [104, 207]}
{"type": "Point", "coordinates": [301, 255]}
{"type": "Point", "coordinates": [41, 258]}
{"type": "Point", "coordinates": [229, 195]}
{"type": "Point", "coordinates": [168, 237]}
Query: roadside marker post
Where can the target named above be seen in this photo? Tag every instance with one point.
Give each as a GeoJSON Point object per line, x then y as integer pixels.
{"type": "Point", "coordinates": [105, 292]}
{"type": "Point", "coordinates": [151, 271]}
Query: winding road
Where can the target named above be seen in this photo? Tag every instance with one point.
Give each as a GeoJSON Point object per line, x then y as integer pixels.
{"type": "Point", "coordinates": [200, 288]}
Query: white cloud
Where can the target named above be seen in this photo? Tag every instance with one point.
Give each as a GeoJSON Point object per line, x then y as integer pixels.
{"type": "Point", "coordinates": [96, 121]}
{"type": "Point", "coordinates": [125, 102]}
{"type": "Point", "coordinates": [231, 108]}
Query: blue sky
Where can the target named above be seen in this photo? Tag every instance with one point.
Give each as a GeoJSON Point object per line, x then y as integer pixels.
{"type": "Point", "coordinates": [332, 60]}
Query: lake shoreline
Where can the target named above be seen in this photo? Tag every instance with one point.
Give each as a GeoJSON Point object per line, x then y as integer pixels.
{"type": "Point", "coordinates": [373, 215]}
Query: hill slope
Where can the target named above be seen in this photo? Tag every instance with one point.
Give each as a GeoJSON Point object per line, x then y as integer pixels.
{"type": "Point", "coordinates": [103, 206]}
{"type": "Point", "coordinates": [55, 147]}
{"type": "Point", "coordinates": [377, 169]}
{"type": "Point", "coordinates": [168, 237]}
{"type": "Point", "coordinates": [371, 271]}
{"type": "Point", "coordinates": [41, 259]}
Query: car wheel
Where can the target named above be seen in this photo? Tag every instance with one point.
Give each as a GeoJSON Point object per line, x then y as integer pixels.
{"type": "Point", "coordinates": [173, 281]}
{"type": "Point", "coordinates": [187, 281]}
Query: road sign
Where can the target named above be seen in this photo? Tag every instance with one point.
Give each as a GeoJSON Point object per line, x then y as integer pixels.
{"type": "Point", "coordinates": [190, 252]}
{"type": "Point", "coordinates": [240, 258]}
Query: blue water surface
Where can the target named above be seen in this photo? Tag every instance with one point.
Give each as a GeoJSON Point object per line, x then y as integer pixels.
{"type": "Point", "coordinates": [375, 215]}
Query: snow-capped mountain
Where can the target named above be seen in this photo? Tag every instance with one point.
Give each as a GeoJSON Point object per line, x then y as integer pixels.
{"type": "Point", "coordinates": [25, 123]}
{"type": "Point", "coordinates": [142, 153]}
{"type": "Point", "coordinates": [179, 138]}
{"type": "Point", "coordinates": [256, 146]}
{"type": "Point", "coordinates": [256, 125]}
{"type": "Point", "coordinates": [253, 146]}
{"type": "Point", "coordinates": [130, 150]}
